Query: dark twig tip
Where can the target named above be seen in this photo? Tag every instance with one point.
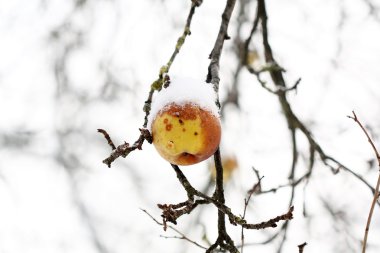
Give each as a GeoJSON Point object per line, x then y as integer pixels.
{"type": "Point", "coordinates": [108, 138]}
{"type": "Point", "coordinates": [354, 117]}
{"type": "Point", "coordinates": [301, 247]}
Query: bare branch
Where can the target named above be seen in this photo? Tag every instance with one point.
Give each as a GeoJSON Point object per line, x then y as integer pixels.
{"type": "Point", "coordinates": [108, 138]}
{"type": "Point", "coordinates": [272, 222]}
{"type": "Point", "coordinates": [124, 149]}
{"type": "Point", "coordinates": [182, 236]}
{"type": "Point", "coordinates": [171, 212]}
{"type": "Point", "coordinates": [294, 123]}
{"type": "Point", "coordinates": [223, 240]}
{"type": "Point", "coordinates": [376, 194]}
{"type": "Point", "coordinates": [234, 219]}
{"type": "Point", "coordinates": [256, 188]}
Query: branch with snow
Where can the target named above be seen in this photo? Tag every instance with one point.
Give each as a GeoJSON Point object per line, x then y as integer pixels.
{"type": "Point", "coordinates": [171, 212]}
{"type": "Point", "coordinates": [125, 148]}
{"type": "Point", "coordinates": [213, 68]}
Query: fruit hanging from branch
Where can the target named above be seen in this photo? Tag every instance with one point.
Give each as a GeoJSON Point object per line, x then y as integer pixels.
{"type": "Point", "coordinates": [184, 122]}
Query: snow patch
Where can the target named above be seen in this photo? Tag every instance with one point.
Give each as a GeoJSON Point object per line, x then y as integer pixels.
{"type": "Point", "coordinates": [184, 90]}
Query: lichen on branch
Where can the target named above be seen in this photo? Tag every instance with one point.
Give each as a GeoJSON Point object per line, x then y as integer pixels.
{"type": "Point", "coordinates": [124, 149]}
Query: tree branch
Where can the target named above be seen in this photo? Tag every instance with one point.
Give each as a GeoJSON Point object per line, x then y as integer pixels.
{"type": "Point", "coordinates": [183, 236]}
{"type": "Point", "coordinates": [213, 68]}
{"type": "Point", "coordinates": [234, 219]}
{"type": "Point", "coordinates": [294, 123]}
{"type": "Point", "coordinates": [124, 149]}
{"type": "Point", "coordinates": [376, 193]}
{"type": "Point", "coordinates": [255, 189]}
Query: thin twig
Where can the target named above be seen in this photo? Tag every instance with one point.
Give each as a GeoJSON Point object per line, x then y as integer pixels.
{"type": "Point", "coordinates": [376, 194]}
{"type": "Point", "coordinates": [256, 188]}
{"type": "Point", "coordinates": [182, 236]}
{"type": "Point", "coordinates": [355, 118]}
{"type": "Point", "coordinates": [108, 138]}
{"type": "Point", "coordinates": [124, 149]}
{"type": "Point", "coordinates": [272, 222]}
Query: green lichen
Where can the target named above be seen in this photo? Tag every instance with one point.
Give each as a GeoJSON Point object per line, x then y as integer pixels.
{"type": "Point", "coordinates": [163, 70]}
{"type": "Point", "coordinates": [146, 107]}
{"type": "Point", "coordinates": [180, 42]}
{"type": "Point", "coordinates": [157, 85]}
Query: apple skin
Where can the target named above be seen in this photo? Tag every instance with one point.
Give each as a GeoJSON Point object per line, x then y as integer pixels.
{"type": "Point", "coordinates": [185, 134]}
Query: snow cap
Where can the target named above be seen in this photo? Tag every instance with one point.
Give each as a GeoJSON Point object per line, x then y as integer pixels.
{"type": "Point", "coordinates": [183, 90]}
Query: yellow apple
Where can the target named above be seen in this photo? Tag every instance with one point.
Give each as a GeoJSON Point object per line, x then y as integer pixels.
{"type": "Point", "coordinates": [229, 163]}
{"type": "Point", "coordinates": [185, 134]}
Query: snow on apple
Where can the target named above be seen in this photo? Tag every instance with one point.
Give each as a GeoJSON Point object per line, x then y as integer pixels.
{"type": "Point", "coordinates": [184, 121]}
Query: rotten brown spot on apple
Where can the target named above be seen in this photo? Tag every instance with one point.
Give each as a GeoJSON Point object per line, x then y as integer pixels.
{"type": "Point", "coordinates": [169, 127]}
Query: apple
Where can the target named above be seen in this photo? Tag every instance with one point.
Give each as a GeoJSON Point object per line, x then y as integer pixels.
{"type": "Point", "coordinates": [230, 165]}
{"type": "Point", "coordinates": [185, 134]}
